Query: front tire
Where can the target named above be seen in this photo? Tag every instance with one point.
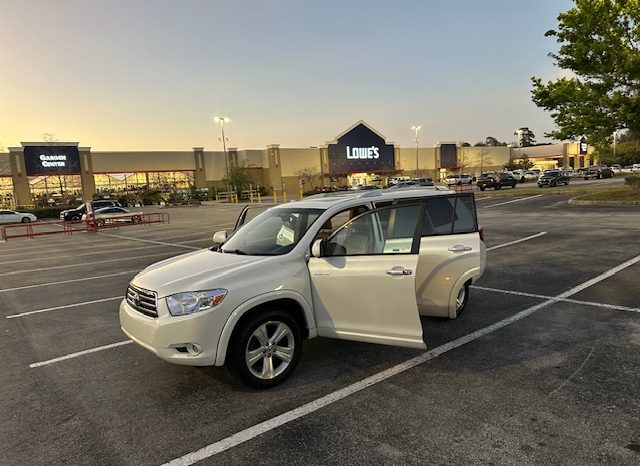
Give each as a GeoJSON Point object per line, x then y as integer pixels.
{"type": "Point", "coordinates": [26, 220]}
{"type": "Point", "coordinates": [266, 349]}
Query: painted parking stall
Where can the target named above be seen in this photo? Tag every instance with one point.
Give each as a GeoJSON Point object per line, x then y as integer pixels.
{"type": "Point", "coordinates": [99, 375]}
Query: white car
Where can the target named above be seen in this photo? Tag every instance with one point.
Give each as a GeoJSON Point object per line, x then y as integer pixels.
{"type": "Point", "coordinates": [11, 216]}
{"type": "Point", "coordinates": [458, 179]}
{"type": "Point", "coordinates": [356, 266]}
{"type": "Point", "coordinates": [531, 174]}
{"type": "Point", "coordinates": [518, 175]}
{"type": "Point", "coordinates": [113, 215]}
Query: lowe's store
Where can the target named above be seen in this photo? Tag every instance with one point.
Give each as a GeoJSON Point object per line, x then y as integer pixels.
{"type": "Point", "coordinates": [41, 173]}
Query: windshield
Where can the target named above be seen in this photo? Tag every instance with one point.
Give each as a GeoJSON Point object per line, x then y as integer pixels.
{"type": "Point", "coordinates": [274, 232]}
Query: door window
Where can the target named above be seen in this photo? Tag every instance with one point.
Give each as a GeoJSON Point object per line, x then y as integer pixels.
{"type": "Point", "coordinates": [389, 230]}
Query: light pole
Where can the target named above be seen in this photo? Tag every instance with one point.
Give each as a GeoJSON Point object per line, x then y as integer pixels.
{"type": "Point", "coordinates": [222, 121]}
{"type": "Point", "coordinates": [416, 128]}
{"type": "Point", "coordinates": [615, 133]}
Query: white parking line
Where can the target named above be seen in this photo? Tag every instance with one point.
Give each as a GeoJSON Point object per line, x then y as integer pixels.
{"type": "Point", "coordinates": [93, 263]}
{"type": "Point", "coordinates": [515, 200]}
{"type": "Point", "coordinates": [66, 306]}
{"type": "Point", "coordinates": [270, 424]}
{"type": "Point", "coordinates": [74, 254]}
{"type": "Point", "coordinates": [177, 245]}
{"type": "Point", "coordinates": [565, 300]}
{"type": "Point", "coordinates": [80, 353]}
{"type": "Point", "coordinates": [483, 198]}
{"type": "Point", "coordinates": [75, 280]}
{"type": "Point", "coordinates": [527, 238]}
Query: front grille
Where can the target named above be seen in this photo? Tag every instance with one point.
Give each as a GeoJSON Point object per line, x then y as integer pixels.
{"type": "Point", "coordinates": [143, 301]}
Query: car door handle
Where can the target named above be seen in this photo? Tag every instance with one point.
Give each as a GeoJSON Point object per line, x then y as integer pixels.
{"type": "Point", "coordinates": [460, 248]}
{"type": "Point", "coordinates": [399, 271]}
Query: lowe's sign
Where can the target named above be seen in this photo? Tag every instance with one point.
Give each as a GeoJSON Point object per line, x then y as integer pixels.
{"type": "Point", "coordinates": [51, 160]}
{"type": "Point", "coordinates": [360, 150]}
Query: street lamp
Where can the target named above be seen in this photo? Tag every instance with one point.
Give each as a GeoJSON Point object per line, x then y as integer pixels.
{"type": "Point", "coordinates": [416, 128]}
{"type": "Point", "coordinates": [615, 133]}
{"type": "Point", "coordinates": [222, 121]}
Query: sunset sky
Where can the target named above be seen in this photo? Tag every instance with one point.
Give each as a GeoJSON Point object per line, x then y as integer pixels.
{"type": "Point", "coordinates": [150, 75]}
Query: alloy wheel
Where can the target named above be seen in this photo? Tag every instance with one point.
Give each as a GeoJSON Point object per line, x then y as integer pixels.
{"type": "Point", "coordinates": [270, 350]}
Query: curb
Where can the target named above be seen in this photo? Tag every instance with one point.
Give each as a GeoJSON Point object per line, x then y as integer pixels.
{"type": "Point", "coordinates": [575, 201]}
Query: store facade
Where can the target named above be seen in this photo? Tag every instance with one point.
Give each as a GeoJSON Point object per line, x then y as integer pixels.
{"type": "Point", "coordinates": [40, 173]}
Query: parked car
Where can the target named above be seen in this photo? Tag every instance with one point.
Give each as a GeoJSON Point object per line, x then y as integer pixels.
{"type": "Point", "coordinates": [113, 215]}
{"type": "Point", "coordinates": [496, 181]}
{"type": "Point", "coordinates": [11, 216]}
{"type": "Point", "coordinates": [414, 182]}
{"type": "Point", "coordinates": [279, 279]}
{"type": "Point", "coordinates": [531, 175]}
{"type": "Point", "coordinates": [518, 175]}
{"type": "Point", "coordinates": [553, 178]}
{"type": "Point", "coordinates": [78, 212]}
{"type": "Point", "coordinates": [458, 179]}
{"type": "Point", "coordinates": [597, 173]}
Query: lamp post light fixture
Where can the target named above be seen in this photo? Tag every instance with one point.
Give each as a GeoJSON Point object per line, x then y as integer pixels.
{"type": "Point", "coordinates": [415, 129]}
{"type": "Point", "coordinates": [222, 121]}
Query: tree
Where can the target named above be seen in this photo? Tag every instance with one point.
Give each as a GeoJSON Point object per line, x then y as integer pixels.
{"type": "Point", "coordinates": [600, 45]}
{"type": "Point", "coordinates": [519, 164]}
{"type": "Point", "coordinates": [308, 175]}
{"type": "Point", "coordinates": [489, 141]}
{"type": "Point", "coordinates": [526, 137]}
{"type": "Point", "coordinates": [240, 178]}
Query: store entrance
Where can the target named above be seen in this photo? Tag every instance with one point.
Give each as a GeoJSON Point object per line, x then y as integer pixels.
{"type": "Point", "coordinates": [364, 180]}
{"type": "Point", "coordinates": [55, 190]}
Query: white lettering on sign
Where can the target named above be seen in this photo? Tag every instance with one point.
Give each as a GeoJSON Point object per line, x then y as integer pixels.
{"type": "Point", "coordinates": [363, 152]}
{"type": "Point", "coordinates": [53, 160]}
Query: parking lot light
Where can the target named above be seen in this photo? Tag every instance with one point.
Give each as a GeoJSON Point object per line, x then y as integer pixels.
{"type": "Point", "coordinates": [222, 121]}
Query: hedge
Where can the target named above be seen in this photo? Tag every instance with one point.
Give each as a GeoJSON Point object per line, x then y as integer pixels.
{"type": "Point", "coordinates": [633, 181]}
{"type": "Point", "coordinates": [45, 212]}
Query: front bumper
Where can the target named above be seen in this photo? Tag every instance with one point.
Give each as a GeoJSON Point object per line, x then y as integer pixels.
{"type": "Point", "coordinates": [173, 338]}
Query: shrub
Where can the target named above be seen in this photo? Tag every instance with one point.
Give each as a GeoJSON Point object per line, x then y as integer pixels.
{"type": "Point", "coordinates": [46, 212]}
{"type": "Point", "coordinates": [633, 181]}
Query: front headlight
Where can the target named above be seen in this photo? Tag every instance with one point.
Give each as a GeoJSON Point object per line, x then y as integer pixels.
{"type": "Point", "coordinates": [181, 304]}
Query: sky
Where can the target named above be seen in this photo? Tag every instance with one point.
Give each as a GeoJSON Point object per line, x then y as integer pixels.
{"type": "Point", "coordinates": [152, 74]}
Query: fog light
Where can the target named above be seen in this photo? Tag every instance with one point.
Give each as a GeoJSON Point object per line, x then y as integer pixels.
{"type": "Point", "coordinates": [194, 349]}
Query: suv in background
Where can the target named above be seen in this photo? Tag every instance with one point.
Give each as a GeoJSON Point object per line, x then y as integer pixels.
{"type": "Point", "coordinates": [597, 173]}
{"type": "Point", "coordinates": [78, 212]}
{"type": "Point", "coordinates": [553, 178]}
{"type": "Point", "coordinates": [496, 181]}
{"type": "Point", "coordinates": [360, 266]}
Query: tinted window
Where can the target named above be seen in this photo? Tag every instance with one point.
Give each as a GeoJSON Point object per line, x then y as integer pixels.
{"type": "Point", "coordinates": [447, 215]}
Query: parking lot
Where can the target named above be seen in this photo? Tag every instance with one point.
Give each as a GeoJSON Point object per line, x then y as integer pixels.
{"type": "Point", "coordinates": [542, 367]}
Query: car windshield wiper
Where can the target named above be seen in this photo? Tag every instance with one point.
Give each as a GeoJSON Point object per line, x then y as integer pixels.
{"type": "Point", "coordinates": [235, 251]}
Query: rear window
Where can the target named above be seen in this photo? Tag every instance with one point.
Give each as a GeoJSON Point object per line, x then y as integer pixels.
{"type": "Point", "coordinates": [449, 215]}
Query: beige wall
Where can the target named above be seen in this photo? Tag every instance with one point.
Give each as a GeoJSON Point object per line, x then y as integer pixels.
{"type": "Point", "coordinates": [5, 167]}
{"type": "Point", "coordinates": [426, 159]}
{"type": "Point", "coordinates": [292, 160]}
{"type": "Point", "coordinates": [124, 162]}
{"type": "Point", "coordinates": [472, 159]}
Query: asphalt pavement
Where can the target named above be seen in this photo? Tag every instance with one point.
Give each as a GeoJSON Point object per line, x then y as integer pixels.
{"type": "Point", "coordinates": [542, 367]}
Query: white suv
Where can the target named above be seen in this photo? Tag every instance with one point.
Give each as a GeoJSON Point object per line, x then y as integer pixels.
{"type": "Point", "coordinates": [355, 266]}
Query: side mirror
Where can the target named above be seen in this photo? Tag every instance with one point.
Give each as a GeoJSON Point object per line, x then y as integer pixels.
{"type": "Point", "coordinates": [220, 237]}
{"type": "Point", "coordinates": [317, 248]}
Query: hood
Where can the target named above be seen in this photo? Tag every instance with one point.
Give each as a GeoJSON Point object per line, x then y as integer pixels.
{"type": "Point", "coordinates": [194, 271]}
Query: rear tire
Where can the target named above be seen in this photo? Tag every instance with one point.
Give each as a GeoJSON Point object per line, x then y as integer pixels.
{"type": "Point", "coordinates": [462, 299]}
{"type": "Point", "coordinates": [266, 349]}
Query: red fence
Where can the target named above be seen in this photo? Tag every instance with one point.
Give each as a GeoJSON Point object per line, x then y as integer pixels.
{"type": "Point", "coordinates": [32, 230]}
